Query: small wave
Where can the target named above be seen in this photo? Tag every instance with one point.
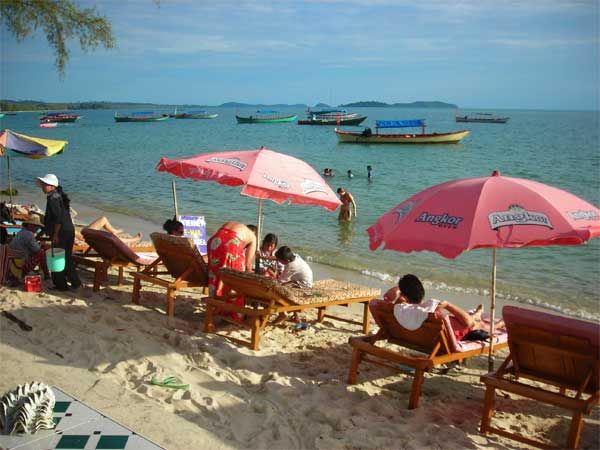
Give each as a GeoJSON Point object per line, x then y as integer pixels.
{"type": "Point", "coordinates": [483, 292]}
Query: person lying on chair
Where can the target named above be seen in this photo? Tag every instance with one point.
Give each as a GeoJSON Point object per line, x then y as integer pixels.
{"type": "Point", "coordinates": [102, 224]}
{"type": "Point", "coordinates": [410, 311]}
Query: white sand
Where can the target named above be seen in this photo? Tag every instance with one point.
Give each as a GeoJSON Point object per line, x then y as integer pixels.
{"type": "Point", "coordinates": [291, 394]}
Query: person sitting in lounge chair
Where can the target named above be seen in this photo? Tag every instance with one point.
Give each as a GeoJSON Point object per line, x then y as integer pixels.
{"type": "Point", "coordinates": [173, 227]}
{"type": "Point", "coordinates": [410, 311]}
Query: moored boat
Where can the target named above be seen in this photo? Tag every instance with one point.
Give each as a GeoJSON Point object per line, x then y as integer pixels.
{"type": "Point", "coordinates": [481, 118]}
{"type": "Point", "coordinates": [193, 115]}
{"type": "Point", "coordinates": [368, 137]}
{"type": "Point", "coordinates": [141, 116]}
{"type": "Point", "coordinates": [266, 117]}
{"type": "Point", "coordinates": [59, 117]}
{"type": "Point", "coordinates": [48, 125]}
{"type": "Point", "coordinates": [331, 117]}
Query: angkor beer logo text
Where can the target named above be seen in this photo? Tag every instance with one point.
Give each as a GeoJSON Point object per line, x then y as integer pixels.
{"type": "Point", "coordinates": [584, 215]}
{"type": "Point", "coordinates": [281, 184]}
{"type": "Point", "coordinates": [440, 220]}
{"type": "Point", "coordinates": [310, 186]}
{"type": "Point", "coordinates": [403, 210]}
{"type": "Point", "coordinates": [517, 215]}
{"type": "Point", "coordinates": [233, 162]}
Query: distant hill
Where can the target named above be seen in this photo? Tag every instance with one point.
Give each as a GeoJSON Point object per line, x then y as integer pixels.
{"type": "Point", "coordinates": [420, 104]}
{"type": "Point", "coordinates": [259, 105]}
{"type": "Point", "coordinates": [38, 105]}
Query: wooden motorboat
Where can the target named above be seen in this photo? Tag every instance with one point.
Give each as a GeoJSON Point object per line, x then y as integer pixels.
{"type": "Point", "coordinates": [368, 137]}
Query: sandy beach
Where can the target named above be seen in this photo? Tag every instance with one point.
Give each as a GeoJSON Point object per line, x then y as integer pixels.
{"type": "Point", "coordinates": [290, 394]}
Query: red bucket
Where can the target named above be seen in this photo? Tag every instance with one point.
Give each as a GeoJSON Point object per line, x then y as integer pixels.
{"type": "Point", "coordinates": [32, 283]}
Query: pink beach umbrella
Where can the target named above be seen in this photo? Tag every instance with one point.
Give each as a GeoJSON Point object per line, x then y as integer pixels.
{"type": "Point", "coordinates": [487, 212]}
{"type": "Point", "coordinates": [263, 173]}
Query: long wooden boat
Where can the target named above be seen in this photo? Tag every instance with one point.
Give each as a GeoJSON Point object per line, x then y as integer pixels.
{"type": "Point", "coordinates": [266, 117]}
{"type": "Point", "coordinates": [194, 115]}
{"type": "Point", "coordinates": [59, 117]}
{"type": "Point", "coordinates": [368, 137]}
{"type": "Point", "coordinates": [481, 118]}
{"type": "Point", "coordinates": [143, 116]}
{"type": "Point", "coordinates": [332, 117]}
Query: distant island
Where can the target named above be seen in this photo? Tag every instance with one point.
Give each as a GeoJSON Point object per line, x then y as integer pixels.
{"type": "Point", "coordinates": [420, 104]}
{"type": "Point", "coordinates": [37, 105]}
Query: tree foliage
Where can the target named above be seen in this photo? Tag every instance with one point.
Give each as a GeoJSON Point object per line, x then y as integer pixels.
{"type": "Point", "coordinates": [60, 20]}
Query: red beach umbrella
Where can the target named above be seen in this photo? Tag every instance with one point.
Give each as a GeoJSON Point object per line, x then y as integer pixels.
{"type": "Point", "coordinates": [487, 212]}
{"type": "Point", "coordinates": [263, 173]}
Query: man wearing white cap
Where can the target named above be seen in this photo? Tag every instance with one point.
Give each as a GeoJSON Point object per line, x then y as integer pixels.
{"type": "Point", "coordinates": [59, 226]}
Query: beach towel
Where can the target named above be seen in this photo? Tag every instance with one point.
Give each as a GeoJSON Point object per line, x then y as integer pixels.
{"type": "Point", "coordinates": [412, 316]}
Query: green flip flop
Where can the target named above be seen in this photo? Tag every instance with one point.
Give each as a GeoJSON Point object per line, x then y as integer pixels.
{"type": "Point", "coordinates": [170, 382]}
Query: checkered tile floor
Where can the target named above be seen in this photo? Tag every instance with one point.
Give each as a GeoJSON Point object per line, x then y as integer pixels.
{"type": "Point", "coordinates": [78, 427]}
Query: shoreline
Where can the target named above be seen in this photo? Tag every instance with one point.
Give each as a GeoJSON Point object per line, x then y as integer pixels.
{"type": "Point", "coordinates": [132, 225]}
{"type": "Point", "coordinates": [465, 297]}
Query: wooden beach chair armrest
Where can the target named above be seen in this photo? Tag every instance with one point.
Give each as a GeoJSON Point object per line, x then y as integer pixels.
{"type": "Point", "coordinates": [418, 362]}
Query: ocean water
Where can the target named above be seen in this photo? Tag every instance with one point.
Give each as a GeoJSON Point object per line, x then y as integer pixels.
{"type": "Point", "coordinates": [112, 166]}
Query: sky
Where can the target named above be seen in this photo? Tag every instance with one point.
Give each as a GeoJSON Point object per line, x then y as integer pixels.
{"type": "Point", "coordinates": [502, 54]}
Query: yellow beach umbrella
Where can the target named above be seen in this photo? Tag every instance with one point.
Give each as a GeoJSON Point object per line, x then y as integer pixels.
{"type": "Point", "coordinates": [16, 144]}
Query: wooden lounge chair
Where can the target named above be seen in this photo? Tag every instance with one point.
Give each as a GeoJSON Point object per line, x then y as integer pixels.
{"type": "Point", "coordinates": [265, 296]}
{"type": "Point", "coordinates": [434, 341]}
{"type": "Point", "coordinates": [184, 263]}
{"type": "Point", "coordinates": [106, 250]}
{"type": "Point", "coordinates": [553, 350]}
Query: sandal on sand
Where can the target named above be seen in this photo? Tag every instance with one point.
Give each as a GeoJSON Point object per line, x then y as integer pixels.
{"type": "Point", "coordinates": [170, 382]}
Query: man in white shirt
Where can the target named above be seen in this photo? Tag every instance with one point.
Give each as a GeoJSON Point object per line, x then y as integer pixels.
{"type": "Point", "coordinates": [296, 271]}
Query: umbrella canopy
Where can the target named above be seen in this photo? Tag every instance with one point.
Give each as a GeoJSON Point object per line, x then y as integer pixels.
{"type": "Point", "coordinates": [495, 211]}
{"type": "Point", "coordinates": [263, 173]}
{"type": "Point", "coordinates": [16, 144]}
{"type": "Point", "coordinates": [488, 212]}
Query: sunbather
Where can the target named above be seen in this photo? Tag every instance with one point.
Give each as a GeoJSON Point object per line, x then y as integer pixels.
{"type": "Point", "coordinates": [411, 311]}
{"type": "Point", "coordinates": [102, 223]}
{"type": "Point", "coordinates": [173, 227]}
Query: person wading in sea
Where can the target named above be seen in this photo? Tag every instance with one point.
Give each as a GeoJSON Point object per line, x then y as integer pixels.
{"type": "Point", "coordinates": [348, 204]}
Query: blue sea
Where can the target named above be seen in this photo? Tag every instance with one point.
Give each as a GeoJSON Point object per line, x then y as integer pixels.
{"type": "Point", "coordinates": [112, 166]}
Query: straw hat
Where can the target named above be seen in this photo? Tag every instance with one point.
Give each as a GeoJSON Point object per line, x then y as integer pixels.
{"type": "Point", "coordinates": [33, 220]}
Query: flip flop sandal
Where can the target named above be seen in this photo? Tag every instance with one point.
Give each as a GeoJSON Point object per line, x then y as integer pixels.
{"type": "Point", "coordinates": [170, 382]}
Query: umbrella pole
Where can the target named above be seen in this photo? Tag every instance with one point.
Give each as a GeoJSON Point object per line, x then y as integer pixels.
{"type": "Point", "coordinates": [174, 198]}
{"type": "Point", "coordinates": [259, 220]}
{"type": "Point", "coordinates": [9, 179]}
{"type": "Point", "coordinates": [492, 311]}
{"type": "Point", "coordinates": [258, 231]}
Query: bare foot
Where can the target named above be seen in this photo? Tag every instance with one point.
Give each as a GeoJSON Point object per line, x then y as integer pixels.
{"type": "Point", "coordinates": [477, 313]}
{"type": "Point", "coordinates": [279, 319]}
{"type": "Point", "coordinates": [132, 240]}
